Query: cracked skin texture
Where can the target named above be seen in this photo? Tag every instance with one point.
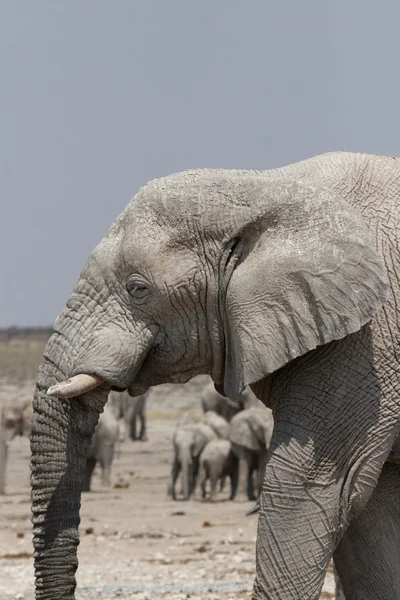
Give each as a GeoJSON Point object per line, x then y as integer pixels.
{"type": "Point", "coordinates": [287, 280]}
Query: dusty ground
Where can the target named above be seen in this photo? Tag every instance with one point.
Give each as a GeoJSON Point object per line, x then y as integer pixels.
{"type": "Point", "coordinates": [135, 542]}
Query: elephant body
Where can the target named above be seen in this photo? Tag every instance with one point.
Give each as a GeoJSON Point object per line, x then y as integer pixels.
{"type": "Point", "coordinates": [189, 440]}
{"type": "Point", "coordinates": [217, 461]}
{"type": "Point", "coordinates": [102, 449]}
{"type": "Point", "coordinates": [130, 409]}
{"type": "Point", "coordinates": [287, 281]}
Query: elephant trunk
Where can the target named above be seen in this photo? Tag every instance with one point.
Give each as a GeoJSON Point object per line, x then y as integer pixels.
{"type": "Point", "coordinates": [60, 437]}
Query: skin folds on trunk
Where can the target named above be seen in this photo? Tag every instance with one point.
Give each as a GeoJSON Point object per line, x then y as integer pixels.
{"type": "Point", "coordinates": [60, 437]}
{"type": "Point", "coordinates": [62, 428]}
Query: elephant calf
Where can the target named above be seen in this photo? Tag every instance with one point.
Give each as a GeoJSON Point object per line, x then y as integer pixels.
{"type": "Point", "coordinates": [102, 448]}
{"type": "Point", "coordinates": [189, 441]}
{"type": "Point", "coordinates": [216, 462]}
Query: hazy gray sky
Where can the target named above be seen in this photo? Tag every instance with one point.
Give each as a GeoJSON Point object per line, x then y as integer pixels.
{"type": "Point", "coordinates": [97, 97]}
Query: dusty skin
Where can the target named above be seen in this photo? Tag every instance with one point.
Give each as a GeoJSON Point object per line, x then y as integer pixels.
{"type": "Point", "coordinates": [135, 542]}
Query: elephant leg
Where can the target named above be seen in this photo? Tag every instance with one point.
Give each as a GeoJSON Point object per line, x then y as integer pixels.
{"type": "Point", "coordinates": [339, 593]}
{"type": "Point", "coordinates": [214, 483]}
{"type": "Point", "coordinates": [3, 465]}
{"type": "Point", "coordinates": [368, 556]}
{"type": "Point", "coordinates": [222, 484]}
{"type": "Point", "coordinates": [335, 422]}
{"type": "Point", "coordinates": [87, 478]}
{"type": "Point", "coordinates": [106, 459]}
{"type": "Point", "coordinates": [176, 469]}
{"type": "Point", "coordinates": [203, 481]}
{"type": "Point", "coordinates": [262, 461]}
{"type": "Point", "coordinates": [234, 475]}
{"type": "Point", "coordinates": [251, 467]}
{"type": "Point", "coordinates": [194, 472]}
{"type": "Point", "coordinates": [132, 431]}
{"type": "Point", "coordinates": [143, 427]}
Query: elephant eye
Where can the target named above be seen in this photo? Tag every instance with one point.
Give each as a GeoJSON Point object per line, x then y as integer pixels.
{"type": "Point", "coordinates": [137, 288]}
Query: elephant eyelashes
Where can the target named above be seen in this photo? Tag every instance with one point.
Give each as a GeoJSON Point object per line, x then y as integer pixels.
{"type": "Point", "coordinates": [137, 289]}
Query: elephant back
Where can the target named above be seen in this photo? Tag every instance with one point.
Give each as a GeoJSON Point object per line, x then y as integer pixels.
{"type": "Point", "coordinates": [241, 433]}
{"type": "Point", "coordinates": [202, 435]}
{"type": "Point", "coordinates": [216, 449]}
{"type": "Point", "coordinates": [218, 424]}
{"type": "Point", "coordinates": [251, 429]}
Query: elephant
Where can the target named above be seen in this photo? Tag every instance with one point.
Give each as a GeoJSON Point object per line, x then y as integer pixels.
{"type": "Point", "coordinates": [217, 461]}
{"type": "Point", "coordinates": [214, 401]}
{"type": "Point", "coordinates": [287, 281]}
{"type": "Point", "coordinates": [250, 434]}
{"type": "Point", "coordinates": [130, 409]}
{"type": "Point", "coordinates": [14, 420]}
{"type": "Point", "coordinates": [102, 449]}
{"type": "Point", "coordinates": [189, 441]}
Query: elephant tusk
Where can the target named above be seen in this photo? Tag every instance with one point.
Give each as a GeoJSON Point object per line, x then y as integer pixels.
{"type": "Point", "coordinates": [76, 386]}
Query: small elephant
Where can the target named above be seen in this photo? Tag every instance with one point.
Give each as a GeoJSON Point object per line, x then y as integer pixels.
{"type": "Point", "coordinates": [189, 440]}
{"type": "Point", "coordinates": [14, 420]}
{"type": "Point", "coordinates": [102, 449]}
{"type": "Point", "coordinates": [250, 434]}
{"type": "Point", "coordinates": [217, 461]}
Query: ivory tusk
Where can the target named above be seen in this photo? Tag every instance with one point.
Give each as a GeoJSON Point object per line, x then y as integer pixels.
{"type": "Point", "coordinates": [77, 385]}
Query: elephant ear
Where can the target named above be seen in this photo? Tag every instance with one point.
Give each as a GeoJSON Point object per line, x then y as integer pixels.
{"type": "Point", "coordinates": [307, 273]}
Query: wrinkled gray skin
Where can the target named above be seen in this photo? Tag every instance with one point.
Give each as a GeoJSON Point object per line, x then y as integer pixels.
{"type": "Point", "coordinates": [250, 434]}
{"type": "Point", "coordinates": [212, 400]}
{"type": "Point", "coordinates": [14, 420]}
{"type": "Point", "coordinates": [102, 449]}
{"type": "Point", "coordinates": [287, 280]}
{"type": "Point", "coordinates": [217, 461]}
{"type": "Point", "coordinates": [189, 441]}
{"type": "Point", "coordinates": [130, 409]}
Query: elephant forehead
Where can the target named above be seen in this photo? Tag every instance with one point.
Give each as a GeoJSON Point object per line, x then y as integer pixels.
{"type": "Point", "coordinates": [187, 202]}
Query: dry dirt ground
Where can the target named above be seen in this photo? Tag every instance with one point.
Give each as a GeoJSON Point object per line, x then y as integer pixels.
{"type": "Point", "coordinates": [135, 542]}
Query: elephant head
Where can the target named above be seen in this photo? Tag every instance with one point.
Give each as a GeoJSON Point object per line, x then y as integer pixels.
{"type": "Point", "coordinates": [230, 273]}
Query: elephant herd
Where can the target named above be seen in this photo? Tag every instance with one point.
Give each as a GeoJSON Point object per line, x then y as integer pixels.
{"type": "Point", "coordinates": [210, 445]}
